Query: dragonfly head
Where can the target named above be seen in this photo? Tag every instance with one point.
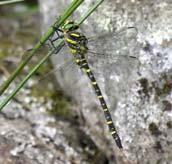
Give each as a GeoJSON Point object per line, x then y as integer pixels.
{"type": "Point", "coordinates": [69, 26]}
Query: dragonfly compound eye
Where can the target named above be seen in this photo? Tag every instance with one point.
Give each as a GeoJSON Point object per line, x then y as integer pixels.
{"type": "Point", "coordinates": [70, 26]}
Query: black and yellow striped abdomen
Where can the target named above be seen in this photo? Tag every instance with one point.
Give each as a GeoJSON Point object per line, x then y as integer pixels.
{"type": "Point", "coordinates": [84, 65]}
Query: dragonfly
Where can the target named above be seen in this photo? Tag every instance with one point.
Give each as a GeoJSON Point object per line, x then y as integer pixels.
{"type": "Point", "coordinates": [78, 46]}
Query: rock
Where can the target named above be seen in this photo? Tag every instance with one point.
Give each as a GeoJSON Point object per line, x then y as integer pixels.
{"type": "Point", "coordinates": [135, 89]}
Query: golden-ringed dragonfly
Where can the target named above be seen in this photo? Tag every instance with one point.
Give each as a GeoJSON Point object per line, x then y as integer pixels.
{"type": "Point", "coordinates": [77, 44]}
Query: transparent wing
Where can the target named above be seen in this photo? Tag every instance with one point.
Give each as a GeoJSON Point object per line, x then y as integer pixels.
{"type": "Point", "coordinates": [110, 47]}
{"type": "Point", "coordinates": [63, 67]}
{"type": "Point", "coordinates": [59, 65]}
{"type": "Point", "coordinates": [47, 46]}
{"type": "Point", "coordinates": [39, 53]}
{"type": "Point", "coordinates": [106, 49]}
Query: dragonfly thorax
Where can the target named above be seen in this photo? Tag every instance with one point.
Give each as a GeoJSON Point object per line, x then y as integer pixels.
{"type": "Point", "coordinates": [76, 42]}
{"type": "Point", "coordinates": [69, 26]}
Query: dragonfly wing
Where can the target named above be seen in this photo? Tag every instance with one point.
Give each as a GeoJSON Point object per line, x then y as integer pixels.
{"type": "Point", "coordinates": [62, 68]}
{"type": "Point", "coordinates": [61, 63]}
{"type": "Point", "coordinates": [39, 53]}
{"type": "Point", "coordinates": [126, 31]}
{"type": "Point", "coordinates": [114, 50]}
{"type": "Point", "coordinates": [112, 45]}
{"type": "Point", "coordinates": [49, 83]}
{"type": "Point", "coordinates": [48, 45]}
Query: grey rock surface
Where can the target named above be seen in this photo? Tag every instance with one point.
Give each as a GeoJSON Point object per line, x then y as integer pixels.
{"type": "Point", "coordinates": [36, 137]}
{"type": "Point", "coordinates": [139, 92]}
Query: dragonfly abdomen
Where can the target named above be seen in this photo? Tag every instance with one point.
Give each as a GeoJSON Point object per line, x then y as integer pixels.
{"type": "Point", "coordinates": [84, 65]}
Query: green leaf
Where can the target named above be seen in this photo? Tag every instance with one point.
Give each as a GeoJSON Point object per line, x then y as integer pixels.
{"type": "Point", "coordinates": [10, 2]}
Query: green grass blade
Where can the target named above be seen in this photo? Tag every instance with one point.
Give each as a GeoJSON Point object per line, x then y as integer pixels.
{"type": "Point", "coordinates": [10, 2]}
{"type": "Point", "coordinates": [59, 46]}
{"type": "Point", "coordinates": [90, 11]}
{"type": "Point", "coordinates": [73, 6]}
{"type": "Point", "coordinates": [43, 60]}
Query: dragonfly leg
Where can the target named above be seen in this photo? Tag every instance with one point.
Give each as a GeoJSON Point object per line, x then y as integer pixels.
{"type": "Point", "coordinates": [52, 40]}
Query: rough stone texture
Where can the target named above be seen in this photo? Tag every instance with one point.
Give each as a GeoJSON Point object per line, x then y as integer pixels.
{"type": "Point", "coordinates": [35, 137]}
{"type": "Point", "coordinates": [29, 134]}
{"type": "Point", "coordinates": [139, 92]}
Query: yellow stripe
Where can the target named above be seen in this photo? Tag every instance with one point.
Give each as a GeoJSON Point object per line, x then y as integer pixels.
{"type": "Point", "coordinates": [77, 60]}
{"type": "Point", "coordinates": [106, 109]}
{"type": "Point", "coordinates": [71, 41]}
{"type": "Point", "coordinates": [94, 83]}
{"type": "Point", "coordinates": [109, 122]}
{"type": "Point", "coordinates": [74, 34]}
{"type": "Point", "coordinates": [88, 70]}
{"type": "Point", "coordinates": [73, 51]}
{"type": "Point", "coordinates": [113, 132]}
{"type": "Point", "coordinates": [100, 97]}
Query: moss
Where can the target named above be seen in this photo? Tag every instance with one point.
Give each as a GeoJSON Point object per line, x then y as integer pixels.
{"type": "Point", "coordinates": [6, 46]}
{"type": "Point", "coordinates": [60, 105]}
{"type": "Point", "coordinates": [153, 128]}
{"type": "Point", "coordinates": [61, 108]}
